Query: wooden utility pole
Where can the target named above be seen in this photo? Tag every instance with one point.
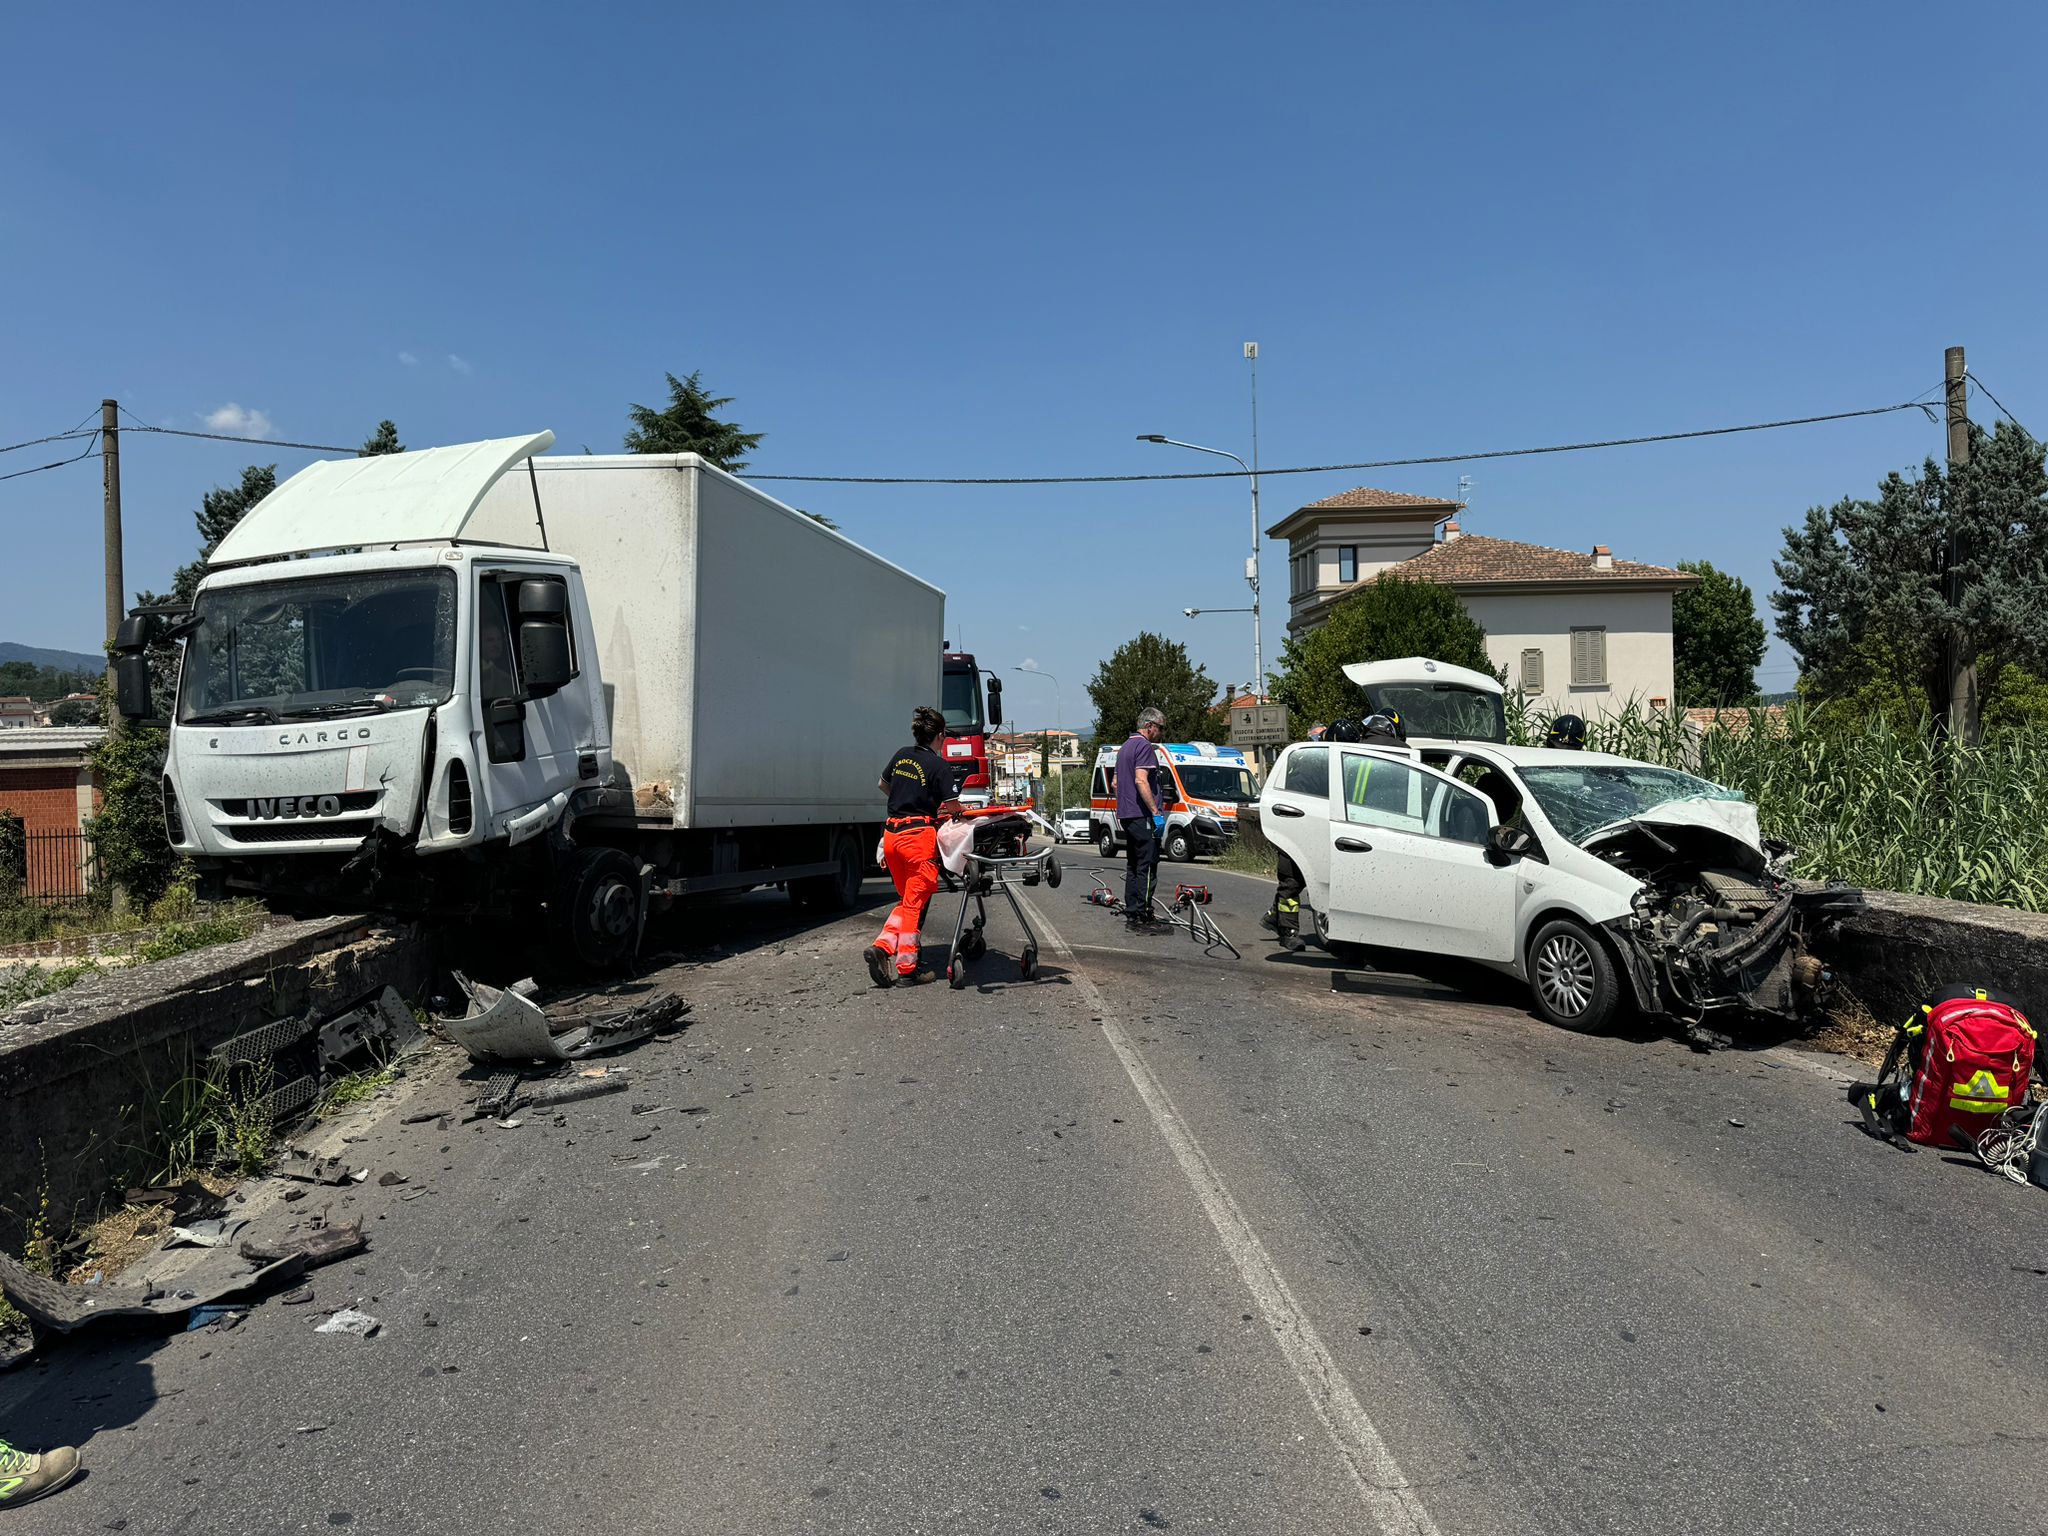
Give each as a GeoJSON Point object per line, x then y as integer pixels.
{"type": "Point", "coordinates": [117, 586]}
{"type": "Point", "coordinates": [1959, 670]}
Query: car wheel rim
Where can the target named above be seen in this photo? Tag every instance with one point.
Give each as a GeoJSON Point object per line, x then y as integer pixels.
{"type": "Point", "coordinates": [1564, 975]}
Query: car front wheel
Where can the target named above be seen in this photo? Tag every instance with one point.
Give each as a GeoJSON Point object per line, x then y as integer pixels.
{"type": "Point", "coordinates": [1572, 977]}
{"type": "Point", "coordinates": [1105, 844]}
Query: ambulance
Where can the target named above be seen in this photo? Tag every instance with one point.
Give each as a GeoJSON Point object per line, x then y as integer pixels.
{"type": "Point", "coordinates": [1197, 783]}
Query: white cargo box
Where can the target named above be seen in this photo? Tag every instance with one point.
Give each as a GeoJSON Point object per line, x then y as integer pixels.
{"type": "Point", "coordinates": [759, 668]}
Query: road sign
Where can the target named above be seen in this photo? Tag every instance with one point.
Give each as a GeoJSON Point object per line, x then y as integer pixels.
{"type": "Point", "coordinates": [1261, 725]}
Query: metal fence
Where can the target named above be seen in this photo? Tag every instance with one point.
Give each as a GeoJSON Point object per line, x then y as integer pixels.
{"type": "Point", "coordinates": [51, 867]}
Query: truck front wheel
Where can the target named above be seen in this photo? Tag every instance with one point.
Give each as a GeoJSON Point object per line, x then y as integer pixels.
{"type": "Point", "coordinates": [594, 907]}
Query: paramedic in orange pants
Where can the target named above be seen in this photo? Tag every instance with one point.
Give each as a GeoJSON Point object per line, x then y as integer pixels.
{"type": "Point", "coordinates": [920, 788]}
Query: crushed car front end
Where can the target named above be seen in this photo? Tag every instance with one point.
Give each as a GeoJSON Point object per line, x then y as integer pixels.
{"type": "Point", "coordinates": [1717, 921]}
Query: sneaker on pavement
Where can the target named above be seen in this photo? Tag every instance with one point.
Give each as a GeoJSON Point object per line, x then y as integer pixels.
{"type": "Point", "coordinates": [881, 966]}
{"type": "Point", "coordinates": [1150, 926]}
{"type": "Point", "coordinates": [26, 1477]}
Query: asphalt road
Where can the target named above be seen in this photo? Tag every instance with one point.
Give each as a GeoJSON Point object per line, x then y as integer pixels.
{"type": "Point", "coordinates": [1162, 1241]}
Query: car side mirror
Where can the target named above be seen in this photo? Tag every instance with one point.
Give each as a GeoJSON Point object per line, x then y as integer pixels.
{"type": "Point", "coordinates": [1506, 844]}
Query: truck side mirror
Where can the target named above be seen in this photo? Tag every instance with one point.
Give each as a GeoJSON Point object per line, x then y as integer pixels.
{"type": "Point", "coordinates": [544, 661]}
{"type": "Point", "coordinates": [132, 699]}
{"type": "Point", "coordinates": [134, 633]}
{"type": "Point", "coordinates": [995, 702]}
{"type": "Point", "coordinates": [505, 731]}
{"type": "Point", "coordinates": [543, 656]}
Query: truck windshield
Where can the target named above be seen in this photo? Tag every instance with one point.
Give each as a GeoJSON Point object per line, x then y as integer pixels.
{"type": "Point", "coordinates": [1581, 798]}
{"type": "Point", "coordinates": [324, 645]}
{"type": "Point", "coordinates": [1218, 781]}
{"type": "Point", "coordinates": [960, 701]}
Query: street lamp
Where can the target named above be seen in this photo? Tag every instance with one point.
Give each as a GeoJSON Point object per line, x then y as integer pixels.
{"type": "Point", "coordinates": [1251, 566]}
{"type": "Point", "coordinates": [1057, 710]}
{"type": "Point", "coordinates": [1196, 613]}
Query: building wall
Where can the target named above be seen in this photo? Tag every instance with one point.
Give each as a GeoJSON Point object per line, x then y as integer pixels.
{"type": "Point", "coordinates": [1381, 544]}
{"type": "Point", "coordinates": [47, 799]}
{"type": "Point", "coordinates": [1638, 626]}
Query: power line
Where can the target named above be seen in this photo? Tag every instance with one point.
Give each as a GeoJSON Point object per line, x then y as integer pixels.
{"type": "Point", "coordinates": [91, 441]}
{"type": "Point", "coordinates": [229, 437]}
{"type": "Point", "coordinates": [54, 437]}
{"type": "Point", "coordinates": [2008, 415]}
{"type": "Point", "coordinates": [1324, 469]}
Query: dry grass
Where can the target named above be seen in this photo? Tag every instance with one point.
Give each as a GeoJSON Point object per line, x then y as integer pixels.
{"type": "Point", "coordinates": [1852, 1030]}
{"type": "Point", "coordinates": [117, 1240]}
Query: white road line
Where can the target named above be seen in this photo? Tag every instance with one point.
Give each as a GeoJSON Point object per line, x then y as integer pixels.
{"type": "Point", "coordinates": [1395, 1506]}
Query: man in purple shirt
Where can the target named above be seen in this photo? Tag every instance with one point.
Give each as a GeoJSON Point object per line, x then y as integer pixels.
{"type": "Point", "coordinates": [1139, 812]}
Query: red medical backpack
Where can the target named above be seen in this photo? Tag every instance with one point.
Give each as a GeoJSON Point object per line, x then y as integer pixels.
{"type": "Point", "coordinates": [1967, 1060]}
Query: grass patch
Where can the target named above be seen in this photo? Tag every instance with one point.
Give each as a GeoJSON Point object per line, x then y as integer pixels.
{"type": "Point", "coordinates": [347, 1092]}
{"type": "Point", "coordinates": [176, 924]}
{"type": "Point", "coordinates": [216, 1121]}
{"type": "Point", "coordinates": [1246, 860]}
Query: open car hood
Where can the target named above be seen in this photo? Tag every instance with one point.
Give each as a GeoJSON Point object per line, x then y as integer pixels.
{"type": "Point", "coordinates": [1718, 834]}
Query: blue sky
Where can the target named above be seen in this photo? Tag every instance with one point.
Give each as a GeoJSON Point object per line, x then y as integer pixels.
{"type": "Point", "coordinates": [991, 240]}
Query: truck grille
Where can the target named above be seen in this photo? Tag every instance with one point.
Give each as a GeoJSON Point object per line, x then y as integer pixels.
{"type": "Point", "coordinates": [355, 800]}
{"type": "Point", "coordinates": [311, 830]}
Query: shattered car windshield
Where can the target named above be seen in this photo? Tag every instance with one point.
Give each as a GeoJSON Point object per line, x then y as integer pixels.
{"type": "Point", "coordinates": [324, 645]}
{"type": "Point", "coordinates": [1581, 798]}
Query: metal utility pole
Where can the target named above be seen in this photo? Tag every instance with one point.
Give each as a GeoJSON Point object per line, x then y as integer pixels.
{"type": "Point", "coordinates": [1251, 568]}
{"type": "Point", "coordinates": [117, 586]}
{"type": "Point", "coordinates": [1959, 671]}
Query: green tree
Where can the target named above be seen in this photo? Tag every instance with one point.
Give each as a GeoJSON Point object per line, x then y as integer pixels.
{"type": "Point", "coordinates": [75, 712]}
{"type": "Point", "coordinates": [1151, 672]}
{"type": "Point", "coordinates": [219, 510]}
{"type": "Point", "coordinates": [686, 425]}
{"type": "Point", "coordinates": [1871, 573]}
{"type": "Point", "coordinates": [1717, 641]}
{"type": "Point", "coordinates": [1389, 617]}
{"type": "Point", "coordinates": [383, 440]}
{"type": "Point", "coordinates": [128, 831]}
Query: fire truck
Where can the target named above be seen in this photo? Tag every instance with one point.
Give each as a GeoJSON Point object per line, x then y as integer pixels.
{"type": "Point", "coordinates": [968, 723]}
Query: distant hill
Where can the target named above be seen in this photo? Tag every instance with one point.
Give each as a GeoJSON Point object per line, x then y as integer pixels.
{"type": "Point", "coordinates": [63, 661]}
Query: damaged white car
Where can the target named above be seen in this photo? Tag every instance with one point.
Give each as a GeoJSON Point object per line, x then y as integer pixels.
{"type": "Point", "coordinates": [1596, 879]}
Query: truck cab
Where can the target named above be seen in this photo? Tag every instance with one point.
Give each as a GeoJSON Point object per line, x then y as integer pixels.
{"type": "Point", "coordinates": [1200, 786]}
{"type": "Point", "coordinates": [962, 688]}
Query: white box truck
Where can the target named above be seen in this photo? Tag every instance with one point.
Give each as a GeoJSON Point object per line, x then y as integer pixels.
{"type": "Point", "coordinates": [476, 679]}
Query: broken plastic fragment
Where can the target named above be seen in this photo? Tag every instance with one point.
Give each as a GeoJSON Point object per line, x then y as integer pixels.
{"type": "Point", "coordinates": [349, 1320]}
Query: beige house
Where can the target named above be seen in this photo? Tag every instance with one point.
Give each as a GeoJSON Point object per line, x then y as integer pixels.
{"type": "Point", "coordinates": [1584, 633]}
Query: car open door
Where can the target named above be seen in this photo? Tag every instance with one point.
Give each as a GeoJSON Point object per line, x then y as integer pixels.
{"type": "Point", "coordinates": [1294, 812]}
{"type": "Point", "coordinates": [1408, 861]}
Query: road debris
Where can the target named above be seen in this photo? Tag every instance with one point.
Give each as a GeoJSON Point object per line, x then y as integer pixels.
{"type": "Point", "coordinates": [315, 1246]}
{"type": "Point", "coordinates": [569, 1092]}
{"type": "Point", "coordinates": [349, 1320]}
{"type": "Point", "coordinates": [205, 1234]}
{"type": "Point", "coordinates": [508, 1025]}
{"type": "Point", "coordinates": [60, 1308]}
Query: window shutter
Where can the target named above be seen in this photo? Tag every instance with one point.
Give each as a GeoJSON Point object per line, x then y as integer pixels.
{"type": "Point", "coordinates": [1589, 658]}
{"type": "Point", "coordinates": [1532, 670]}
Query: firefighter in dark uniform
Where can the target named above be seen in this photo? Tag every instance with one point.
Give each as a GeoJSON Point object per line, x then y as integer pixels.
{"type": "Point", "coordinates": [920, 790]}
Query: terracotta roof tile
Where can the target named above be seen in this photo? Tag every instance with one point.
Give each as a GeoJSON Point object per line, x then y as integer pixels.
{"type": "Point", "coordinates": [1366, 496]}
{"type": "Point", "coordinates": [1475, 557]}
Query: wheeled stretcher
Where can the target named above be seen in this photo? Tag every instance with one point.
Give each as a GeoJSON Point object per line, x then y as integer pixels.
{"type": "Point", "coordinates": [988, 850]}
